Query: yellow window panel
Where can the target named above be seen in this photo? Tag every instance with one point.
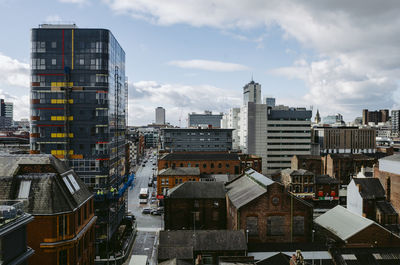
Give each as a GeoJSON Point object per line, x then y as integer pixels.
{"type": "Point", "coordinates": [71, 135]}
{"type": "Point", "coordinates": [71, 118]}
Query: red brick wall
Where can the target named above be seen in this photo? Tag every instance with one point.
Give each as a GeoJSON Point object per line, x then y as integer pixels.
{"type": "Point", "coordinates": [394, 184]}
{"type": "Point", "coordinates": [208, 169]}
{"type": "Point", "coordinates": [263, 207]}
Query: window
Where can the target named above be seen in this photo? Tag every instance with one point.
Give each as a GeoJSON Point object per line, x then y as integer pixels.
{"type": "Point", "coordinates": [24, 189]}
{"type": "Point", "coordinates": [275, 225]}
{"type": "Point", "coordinates": [227, 165]}
{"type": "Point", "coordinates": [62, 257]}
{"type": "Point", "coordinates": [197, 216]}
{"type": "Point", "coordinates": [215, 216]}
{"type": "Point", "coordinates": [181, 165]}
{"type": "Point", "coordinates": [212, 165]}
{"type": "Point", "coordinates": [53, 44]}
{"type": "Point", "coordinates": [53, 61]}
{"type": "Point", "coordinates": [252, 225]}
{"type": "Point", "coordinates": [298, 225]}
{"type": "Point", "coordinates": [204, 165]}
{"type": "Point", "coordinates": [207, 259]}
{"type": "Point", "coordinates": [62, 225]}
{"type": "Point", "coordinates": [81, 61]}
{"type": "Point", "coordinates": [219, 165]}
{"type": "Point", "coordinates": [196, 204]}
{"type": "Point", "coordinates": [197, 165]}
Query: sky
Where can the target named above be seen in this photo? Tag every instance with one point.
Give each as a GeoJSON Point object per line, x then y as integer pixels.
{"type": "Point", "coordinates": [193, 55]}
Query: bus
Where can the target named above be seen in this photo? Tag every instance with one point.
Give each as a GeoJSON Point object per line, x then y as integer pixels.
{"type": "Point", "coordinates": [143, 195]}
{"type": "Point", "coordinates": [138, 260]}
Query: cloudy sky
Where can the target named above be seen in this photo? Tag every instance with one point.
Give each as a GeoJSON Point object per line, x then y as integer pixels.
{"type": "Point", "coordinates": [192, 55]}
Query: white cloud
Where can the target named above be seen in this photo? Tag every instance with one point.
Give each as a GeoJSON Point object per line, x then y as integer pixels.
{"type": "Point", "coordinates": [13, 72]}
{"type": "Point", "coordinates": [177, 99]}
{"type": "Point", "coordinates": [74, 1]}
{"type": "Point", "coordinates": [53, 18]}
{"type": "Point", "coordinates": [14, 76]}
{"type": "Point", "coordinates": [356, 42]}
{"type": "Point", "coordinates": [209, 65]}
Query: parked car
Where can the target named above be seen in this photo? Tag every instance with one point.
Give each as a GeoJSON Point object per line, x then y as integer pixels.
{"type": "Point", "coordinates": [146, 211]}
{"type": "Point", "coordinates": [157, 212]}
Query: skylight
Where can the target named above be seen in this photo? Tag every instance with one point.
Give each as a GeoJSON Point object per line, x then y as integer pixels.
{"type": "Point", "coordinates": [73, 181]}
{"type": "Point", "coordinates": [24, 189]}
{"type": "Point", "coordinates": [68, 185]}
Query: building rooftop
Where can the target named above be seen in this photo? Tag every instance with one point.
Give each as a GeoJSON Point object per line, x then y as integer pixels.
{"type": "Point", "coordinates": [43, 182]}
{"type": "Point", "coordinates": [198, 190]}
{"type": "Point", "coordinates": [12, 216]}
{"type": "Point", "coordinates": [297, 172]}
{"type": "Point", "coordinates": [197, 129]}
{"type": "Point", "coordinates": [243, 190]}
{"type": "Point", "coordinates": [343, 223]}
{"type": "Point", "coordinates": [200, 156]}
{"type": "Point", "coordinates": [325, 179]}
{"type": "Point", "coordinates": [181, 244]}
{"type": "Point", "coordinates": [279, 258]}
{"type": "Point", "coordinates": [395, 158]}
{"type": "Point", "coordinates": [370, 188]}
{"type": "Point", "coordinates": [385, 207]}
{"type": "Point", "coordinates": [180, 171]}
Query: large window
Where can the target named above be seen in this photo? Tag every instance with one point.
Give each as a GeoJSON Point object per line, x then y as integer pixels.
{"type": "Point", "coordinates": [252, 225]}
{"type": "Point", "coordinates": [62, 225]}
{"type": "Point", "coordinates": [298, 225]}
{"type": "Point", "coordinates": [63, 257]}
{"type": "Point", "coordinates": [275, 225]}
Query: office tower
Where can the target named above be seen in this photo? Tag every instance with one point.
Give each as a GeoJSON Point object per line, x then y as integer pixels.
{"type": "Point", "coordinates": [395, 122]}
{"type": "Point", "coordinates": [204, 119]}
{"type": "Point", "coordinates": [269, 101]}
{"type": "Point", "coordinates": [160, 115]}
{"type": "Point", "coordinates": [252, 93]}
{"type": "Point", "coordinates": [231, 120]}
{"type": "Point", "coordinates": [79, 107]}
{"type": "Point", "coordinates": [375, 116]}
{"type": "Point", "coordinates": [7, 109]}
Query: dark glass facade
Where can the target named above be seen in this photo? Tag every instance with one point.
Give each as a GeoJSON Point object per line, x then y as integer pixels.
{"type": "Point", "coordinates": [79, 101]}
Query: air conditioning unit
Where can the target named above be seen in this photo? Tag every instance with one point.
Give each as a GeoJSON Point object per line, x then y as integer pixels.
{"type": "Point", "coordinates": [7, 212]}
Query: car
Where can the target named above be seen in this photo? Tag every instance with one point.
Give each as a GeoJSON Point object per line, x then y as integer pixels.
{"type": "Point", "coordinates": [154, 163]}
{"type": "Point", "coordinates": [157, 212]}
{"type": "Point", "coordinates": [146, 211]}
{"type": "Point", "coordinates": [143, 165]}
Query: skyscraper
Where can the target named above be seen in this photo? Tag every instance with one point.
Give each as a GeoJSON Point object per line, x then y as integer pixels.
{"type": "Point", "coordinates": [160, 115]}
{"type": "Point", "coordinates": [79, 106]}
{"type": "Point", "coordinates": [252, 93]}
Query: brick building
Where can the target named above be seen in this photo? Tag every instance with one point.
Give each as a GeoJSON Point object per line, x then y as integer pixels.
{"type": "Point", "coordinates": [348, 229]}
{"type": "Point", "coordinates": [199, 204]}
{"type": "Point", "coordinates": [170, 177]}
{"type": "Point", "coordinates": [375, 116]}
{"type": "Point", "coordinates": [339, 166]}
{"type": "Point", "coordinates": [208, 163]}
{"type": "Point", "coordinates": [267, 211]}
{"type": "Point", "coordinates": [388, 173]}
{"type": "Point", "coordinates": [310, 162]}
{"type": "Point", "coordinates": [352, 140]}
{"type": "Point", "coordinates": [62, 231]}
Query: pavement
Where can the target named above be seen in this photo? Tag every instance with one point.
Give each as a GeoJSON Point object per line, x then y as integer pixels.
{"type": "Point", "coordinates": [148, 225]}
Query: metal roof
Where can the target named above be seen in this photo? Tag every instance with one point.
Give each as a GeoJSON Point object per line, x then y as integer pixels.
{"type": "Point", "coordinates": [342, 222]}
{"type": "Point", "coordinates": [200, 156]}
{"type": "Point", "coordinates": [260, 178]}
{"type": "Point", "coordinates": [200, 190]}
{"type": "Point", "coordinates": [244, 190]}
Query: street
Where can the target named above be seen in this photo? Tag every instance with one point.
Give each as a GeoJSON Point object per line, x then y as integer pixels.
{"type": "Point", "coordinates": [147, 225]}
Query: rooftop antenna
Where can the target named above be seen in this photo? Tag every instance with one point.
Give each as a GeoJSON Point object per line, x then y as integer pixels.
{"type": "Point", "coordinates": [252, 77]}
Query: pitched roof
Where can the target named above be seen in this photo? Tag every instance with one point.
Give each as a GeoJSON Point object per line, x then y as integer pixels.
{"type": "Point", "coordinates": [280, 258]}
{"type": "Point", "coordinates": [301, 172]}
{"type": "Point", "coordinates": [56, 191]}
{"type": "Point", "coordinates": [181, 244]}
{"type": "Point", "coordinates": [395, 157]}
{"type": "Point", "coordinates": [342, 222]}
{"type": "Point", "coordinates": [325, 179]}
{"type": "Point", "coordinates": [371, 188]}
{"type": "Point", "coordinates": [243, 190]}
{"type": "Point", "coordinates": [200, 190]}
{"type": "Point", "coordinates": [200, 156]}
{"type": "Point", "coordinates": [385, 207]}
{"type": "Point", "coordinates": [180, 171]}
{"type": "Point", "coordinates": [264, 180]}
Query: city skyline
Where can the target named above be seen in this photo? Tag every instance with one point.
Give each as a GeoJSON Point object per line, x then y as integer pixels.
{"type": "Point", "coordinates": [189, 57]}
